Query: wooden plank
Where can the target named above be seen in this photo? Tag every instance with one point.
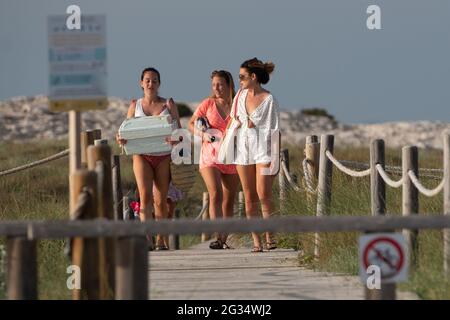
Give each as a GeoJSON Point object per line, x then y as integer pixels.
{"type": "Point", "coordinates": [101, 227]}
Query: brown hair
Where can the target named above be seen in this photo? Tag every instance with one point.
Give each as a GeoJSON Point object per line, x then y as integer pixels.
{"type": "Point", "coordinates": [228, 79]}
{"type": "Point", "coordinates": [260, 69]}
{"type": "Point", "coordinates": [150, 70]}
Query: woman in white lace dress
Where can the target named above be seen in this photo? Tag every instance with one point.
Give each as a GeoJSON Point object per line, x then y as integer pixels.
{"type": "Point", "coordinates": [257, 143]}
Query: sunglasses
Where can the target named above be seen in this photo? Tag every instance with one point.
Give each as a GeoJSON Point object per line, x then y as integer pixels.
{"type": "Point", "coordinates": [243, 77]}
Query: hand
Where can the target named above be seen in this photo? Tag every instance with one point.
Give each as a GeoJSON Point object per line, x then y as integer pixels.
{"type": "Point", "coordinates": [208, 137]}
{"type": "Point", "coordinates": [171, 103]}
{"type": "Point", "coordinates": [172, 143]}
{"type": "Point", "coordinates": [120, 140]}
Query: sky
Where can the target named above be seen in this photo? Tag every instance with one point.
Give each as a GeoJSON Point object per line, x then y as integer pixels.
{"type": "Point", "coordinates": [324, 54]}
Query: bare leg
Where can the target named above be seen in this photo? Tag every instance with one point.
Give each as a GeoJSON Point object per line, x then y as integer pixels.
{"type": "Point", "coordinates": [143, 173]}
{"type": "Point", "coordinates": [171, 208]}
{"type": "Point", "coordinates": [211, 176]}
{"type": "Point", "coordinates": [264, 189]}
{"type": "Point", "coordinates": [230, 183]}
{"type": "Point", "coordinates": [162, 179]}
{"type": "Point", "coordinates": [247, 175]}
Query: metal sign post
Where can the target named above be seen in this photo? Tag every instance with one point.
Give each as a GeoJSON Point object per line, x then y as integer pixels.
{"type": "Point", "coordinates": [382, 260]}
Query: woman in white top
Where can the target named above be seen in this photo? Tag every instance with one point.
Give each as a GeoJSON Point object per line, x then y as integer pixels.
{"type": "Point", "coordinates": [152, 168]}
{"type": "Point", "coordinates": [257, 111]}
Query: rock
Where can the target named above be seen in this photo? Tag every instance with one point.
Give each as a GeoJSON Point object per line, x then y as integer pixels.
{"type": "Point", "coordinates": [28, 118]}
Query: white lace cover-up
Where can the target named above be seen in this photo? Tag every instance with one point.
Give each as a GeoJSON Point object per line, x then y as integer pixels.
{"type": "Point", "coordinates": [253, 145]}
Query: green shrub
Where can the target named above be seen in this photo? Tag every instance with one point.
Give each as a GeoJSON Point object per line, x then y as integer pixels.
{"type": "Point", "coordinates": [317, 112]}
{"type": "Point", "coordinates": [184, 110]}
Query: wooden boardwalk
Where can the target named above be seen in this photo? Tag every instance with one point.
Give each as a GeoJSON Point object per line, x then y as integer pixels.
{"type": "Point", "coordinates": [200, 273]}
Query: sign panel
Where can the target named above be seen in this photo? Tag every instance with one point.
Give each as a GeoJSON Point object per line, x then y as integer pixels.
{"type": "Point", "coordinates": [77, 62]}
{"type": "Point", "coordinates": [385, 251]}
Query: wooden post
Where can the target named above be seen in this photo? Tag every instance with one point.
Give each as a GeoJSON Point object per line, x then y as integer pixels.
{"type": "Point", "coordinates": [312, 154]}
{"type": "Point", "coordinates": [85, 251]}
{"type": "Point", "coordinates": [97, 134]}
{"type": "Point", "coordinates": [283, 182]}
{"type": "Point", "coordinates": [447, 204]}
{"type": "Point", "coordinates": [174, 239]}
{"type": "Point", "coordinates": [21, 268]}
{"type": "Point", "coordinates": [410, 198]}
{"type": "Point", "coordinates": [378, 204]}
{"type": "Point", "coordinates": [99, 142]}
{"type": "Point", "coordinates": [74, 150]}
{"type": "Point", "coordinates": [205, 216]}
{"type": "Point", "coordinates": [324, 184]}
{"type": "Point", "coordinates": [132, 269]}
{"type": "Point", "coordinates": [87, 139]}
{"type": "Point", "coordinates": [117, 187]}
{"type": "Point", "coordinates": [128, 213]}
{"type": "Point", "coordinates": [241, 204]}
{"type": "Point", "coordinates": [377, 184]}
{"type": "Point", "coordinates": [102, 153]}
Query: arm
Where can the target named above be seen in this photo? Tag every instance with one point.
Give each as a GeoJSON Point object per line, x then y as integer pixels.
{"type": "Point", "coordinates": [174, 112]}
{"type": "Point", "coordinates": [130, 114]}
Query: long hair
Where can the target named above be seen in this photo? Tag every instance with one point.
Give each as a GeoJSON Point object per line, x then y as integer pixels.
{"type": "Point", "coordinates": [260, 69]}
{"type": "Point", "coordinates": [228, 80]}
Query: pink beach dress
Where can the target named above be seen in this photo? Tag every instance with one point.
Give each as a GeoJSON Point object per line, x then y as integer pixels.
{"type": "Point", "coordinates": [210, 150]}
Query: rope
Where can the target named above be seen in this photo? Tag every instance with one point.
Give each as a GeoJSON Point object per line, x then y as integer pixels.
{"type": "Point", "coordinates": [289, 177]}
{"type": "Point", "coordinates": [422, 189]}
{"type": "Point", "coordinates": [308, 178]}
{"type": "Point", "coordinates": [389, 181]}
{"type": "Point", "coordinates": [202, 211]}
{"type": "Point", "coordinates": [83, 201]}
{"type": "Point", "coordinates": [396, 169]}
{"type": "Point", "coordinates": [35, 163]}
{"type": "Point", "coordinates": [345, 169]}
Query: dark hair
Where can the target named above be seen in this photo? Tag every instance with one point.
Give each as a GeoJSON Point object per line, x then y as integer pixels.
{"type": "Point", "coordinates": [151, 70]}
{"type": "Point", "coordinates": [228, 79]}
{"type": "Point", "coordinates": [260, 69]}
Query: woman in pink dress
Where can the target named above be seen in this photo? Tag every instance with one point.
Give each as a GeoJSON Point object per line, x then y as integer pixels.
{"type": "Point", "coordinates": [221, 180]}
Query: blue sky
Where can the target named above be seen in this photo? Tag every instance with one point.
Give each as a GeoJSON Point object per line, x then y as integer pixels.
{"type": "Point", "coordinates": [324, 54]}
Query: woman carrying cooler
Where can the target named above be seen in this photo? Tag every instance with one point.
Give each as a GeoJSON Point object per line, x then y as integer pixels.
{"type": "Point", "coordinates": [152, 168]}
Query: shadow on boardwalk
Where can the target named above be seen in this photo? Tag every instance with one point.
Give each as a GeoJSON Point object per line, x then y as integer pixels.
{"type": "Point", "coordinates": [203, 274]}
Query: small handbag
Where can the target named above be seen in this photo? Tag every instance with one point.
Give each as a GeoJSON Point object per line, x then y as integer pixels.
{"type": "Point", "coordinates": [226, 148]}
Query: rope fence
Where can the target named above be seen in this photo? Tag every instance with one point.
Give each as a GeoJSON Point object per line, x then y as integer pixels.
{"type": "Point", "coordinates": [389, 181]}
{"type": "Point", "coordinates": [59, 155]}
{"type": "Point", "coordinates": [422, 188]}
{"type": "Point", "coordinates": [344, 169]}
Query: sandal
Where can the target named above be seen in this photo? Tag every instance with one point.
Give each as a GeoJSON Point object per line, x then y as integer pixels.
{"type": "Point", "coordinates": [226, 246]}
{"type": "Point", "coordinates": [216, 244]}
{"type": "Point", "coordinates": [272, 245]}
{"type": "Point", "coordinates": [161, 247]}
{"type": "Point", "coordinates": [257, 249]}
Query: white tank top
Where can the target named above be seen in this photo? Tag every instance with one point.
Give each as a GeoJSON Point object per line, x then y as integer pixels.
{"type": "Point", "coordinates": [139, 111]}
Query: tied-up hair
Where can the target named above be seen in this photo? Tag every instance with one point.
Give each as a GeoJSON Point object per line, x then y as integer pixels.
{"type": "Point", "coordinates": [260, 69]}
{"type": "Point", "coordinates": [228, 80]}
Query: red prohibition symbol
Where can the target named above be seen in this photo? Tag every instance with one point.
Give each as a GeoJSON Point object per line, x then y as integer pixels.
{"type": "Point", "coordinates": [385, 253]}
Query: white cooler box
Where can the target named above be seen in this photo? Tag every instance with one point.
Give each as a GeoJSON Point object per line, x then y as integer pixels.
{"type": "Point", "coordinates": [146, 134]}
